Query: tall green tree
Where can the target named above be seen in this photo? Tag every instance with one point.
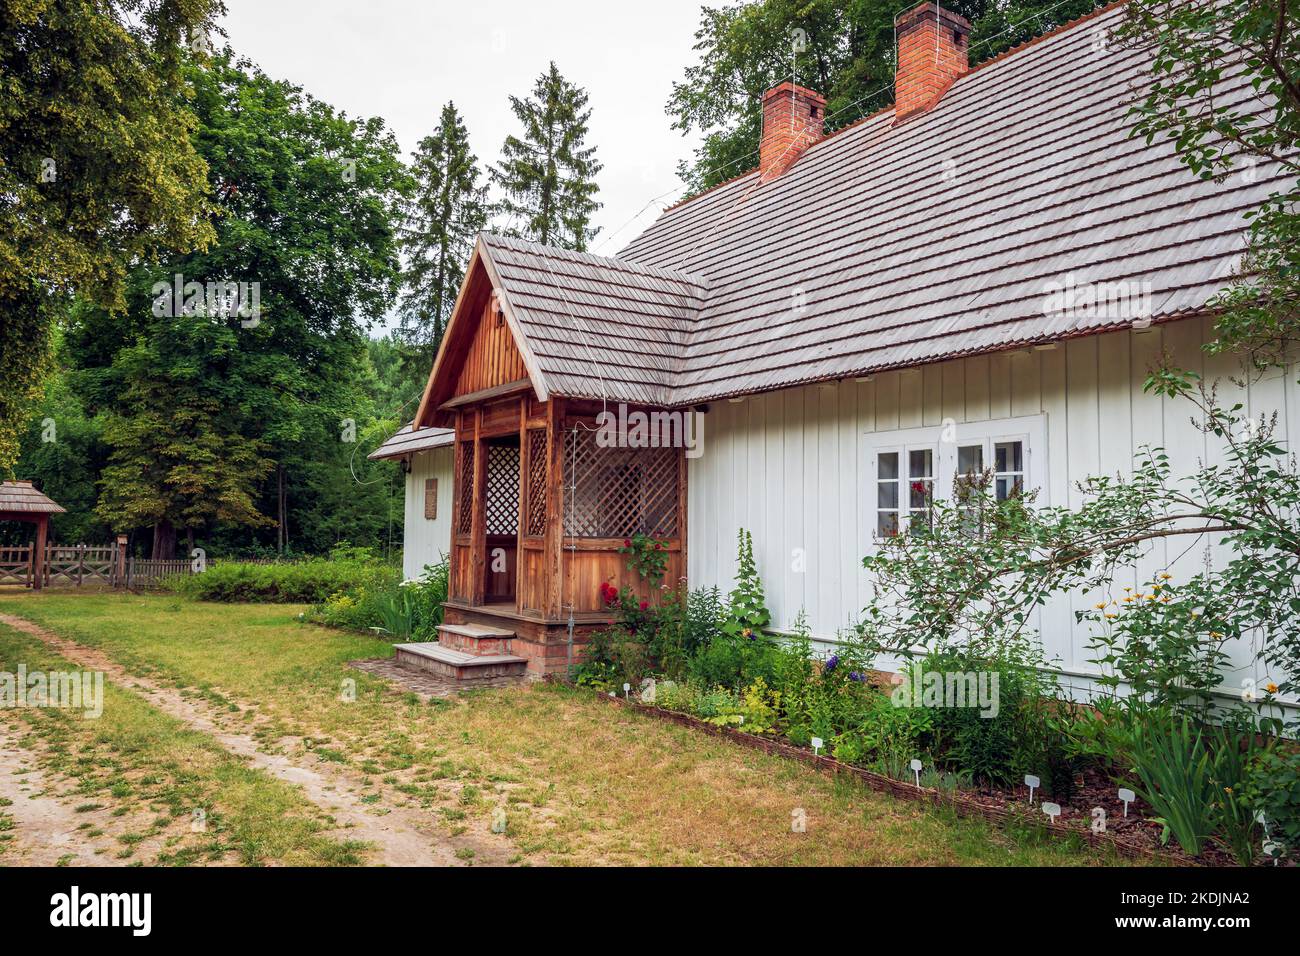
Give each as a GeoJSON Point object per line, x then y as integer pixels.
{"type": "Point", "coordinates": [307, 200]}
{"type": "Point", "coordinates": [97, 166]}
{"type": "Point", "coordinates": [447, 210]}
{"type": "Point", "coordinates": [844, 50]}
{"type": "Point", "coordinates": [548, 175]}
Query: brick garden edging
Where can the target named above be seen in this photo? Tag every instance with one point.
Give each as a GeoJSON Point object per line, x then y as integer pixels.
{"type": "Point", "coordinates": [960, 803]}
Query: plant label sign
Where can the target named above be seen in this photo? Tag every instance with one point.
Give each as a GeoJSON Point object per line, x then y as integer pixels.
{"type": "Point", "coordinates": [1033, 783]}
{"type": "Point", "coordinates": [1053, 810]}
{"type": "Point", "coordinates": [916, 770]}
{"type": "Point", "coordinates": [1128, 796]}
{"type": "Point", "coordinates": [817, 745]}
{"type": "Point", "coordinates": [626, 688]}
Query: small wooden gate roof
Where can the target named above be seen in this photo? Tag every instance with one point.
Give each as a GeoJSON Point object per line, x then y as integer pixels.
{"type": "Point", "coordinates": [20, 498]}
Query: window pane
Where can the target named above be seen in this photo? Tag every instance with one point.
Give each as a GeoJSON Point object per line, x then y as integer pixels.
{"type": "Point", "coordinates": [970, 459]}
{"type": "Point", "coordinates": [918, 493]}
{"type": "Point", "coordinates": [920, 463]}
{"type": "Point", "coordinates": [1008, 456]}
{"type": "Point", "coordinates": [887, 465]}
{"type": "Point", "coordinates": [1007, 485]}
{"type": "Point", "coordinates": [887, 523]}
{"type": "Point", "coordinates": [886, 494]}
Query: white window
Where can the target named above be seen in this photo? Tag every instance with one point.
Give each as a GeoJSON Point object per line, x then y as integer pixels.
{"type": "Point", "coordinates": [911, 466]}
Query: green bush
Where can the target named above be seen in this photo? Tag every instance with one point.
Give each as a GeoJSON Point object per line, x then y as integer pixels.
{"type": "Point", "coordinates": [407, 611]}
{"type": "Point", "coordinates": [1273, 789]}
{"type": "Point", "coordinates": [302, 582]}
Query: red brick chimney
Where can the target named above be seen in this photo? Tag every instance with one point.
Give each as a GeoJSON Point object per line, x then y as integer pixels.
{"type": "Point", "coordinates": [932, 45]}
{"type": "Point", "coordinates": [793, 119]}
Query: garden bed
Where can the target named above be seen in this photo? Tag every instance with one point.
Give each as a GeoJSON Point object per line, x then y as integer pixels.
{"type": "Point", "coordinates": [1136, 836]}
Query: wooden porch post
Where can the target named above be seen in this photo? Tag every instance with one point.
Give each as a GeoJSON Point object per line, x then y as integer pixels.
{"type": "Point", "coordinates": [38, 556]}
{"type": "Point", "coordinates": [553, 544]}
{"type": "Point", "coordinates": [478, 517]}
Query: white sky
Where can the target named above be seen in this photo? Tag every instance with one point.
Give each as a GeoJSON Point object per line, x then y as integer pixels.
{"type": "Point", "coordinates": [403, 59]}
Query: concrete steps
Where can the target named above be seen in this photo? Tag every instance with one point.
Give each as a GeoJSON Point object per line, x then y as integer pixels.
{"type": "Point", "coordinates": [457, 664]}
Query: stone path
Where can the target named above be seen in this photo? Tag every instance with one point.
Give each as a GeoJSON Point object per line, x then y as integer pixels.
{"type": "Point", "coordinates": [401, 836]}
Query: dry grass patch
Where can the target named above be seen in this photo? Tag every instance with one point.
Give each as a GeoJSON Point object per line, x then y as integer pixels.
{"type": "Point", "coordinates": [580, 781]}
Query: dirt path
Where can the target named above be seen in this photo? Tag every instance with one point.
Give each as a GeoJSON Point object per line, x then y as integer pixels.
{"type": "Point", "coordinates": [401, 836]}
{"type": "Point", "coordinates": [46, 828]}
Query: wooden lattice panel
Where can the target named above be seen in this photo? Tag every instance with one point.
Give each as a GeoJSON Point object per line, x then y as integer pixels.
{"type": "Point", "coordinates": [502, 501]}
{"type": "Point", "coordinates": [537, 481]}
{"type": "Point", "coordinates": [465, 517]}
{"type": "Point", "coordinates": [618, 492]}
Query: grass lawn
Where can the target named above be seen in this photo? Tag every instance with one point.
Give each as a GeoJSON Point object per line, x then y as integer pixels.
{"type": "Point", "coordinates": [139, 776]}
{"type": "Point", "coordinates": [582, 782]}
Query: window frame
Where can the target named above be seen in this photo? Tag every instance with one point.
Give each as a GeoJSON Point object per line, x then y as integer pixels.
{"type": "Point", "coordinates": [1030, 430]}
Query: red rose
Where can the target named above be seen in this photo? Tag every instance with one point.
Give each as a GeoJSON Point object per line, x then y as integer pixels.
{"type": "Point", "coordinates": [644, 605]}
{"type": "Point", "coordinates": [627, 542]}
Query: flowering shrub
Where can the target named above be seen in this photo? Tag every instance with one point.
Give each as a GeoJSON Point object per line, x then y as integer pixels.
{"type": "Point", "coordinates": [647, 556]}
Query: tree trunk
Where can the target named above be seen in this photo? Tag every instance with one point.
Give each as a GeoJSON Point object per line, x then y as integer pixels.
{"type": "Point", "coordinates": [281, 506]}
{"type": "Point", "coordinates": [164, 541]}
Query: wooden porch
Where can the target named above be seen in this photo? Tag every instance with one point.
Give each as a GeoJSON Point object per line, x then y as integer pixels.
{"type": "Point", "coordinates": [540, 511]}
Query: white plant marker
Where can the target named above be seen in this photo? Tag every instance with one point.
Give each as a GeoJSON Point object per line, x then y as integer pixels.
{"type": "Point", "coordinates": [1033, 783]}
{"type": "Point", "coordinates": [1272, 849]}
{"type": "Point", "coordinates": [916, 771]}
{"type": "Point", "coordinates": [817, 746]}
{"type": "Point", "coordinates": [1053, 810]}
{"type": "Point", "coordinates": [626, 687]}
{"type": "Point", "coordinates": [1128, 796]}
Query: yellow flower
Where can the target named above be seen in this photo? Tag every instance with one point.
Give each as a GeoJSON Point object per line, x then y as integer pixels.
{"type": "Point", "coordinates": [1110, 615]}
{"type": "Point", "coordinates": [1151, 597]}
{"type": "Point", "coordinates": [1100, 606]}
{"type": "Point", "coordinates": [1165, 577]}
{"type": "Point", "coordinates": [1127, 600]}
{"type": "Point", "coordinates": [1271, 687]}
{"type": "Point", "coordinates": [1126, 590]}
{"type": "Point", "coordinates": [1155, 587]}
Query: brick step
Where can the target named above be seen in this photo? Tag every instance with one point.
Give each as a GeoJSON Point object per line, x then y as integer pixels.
{"type": "Point", "coordinates": [478, 639]}
{"type": "Point", "coordinates": [457, 665]}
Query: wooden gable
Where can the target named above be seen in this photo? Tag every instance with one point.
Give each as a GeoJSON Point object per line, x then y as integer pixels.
{"type": "Point", "coordinates": [493, 358]}
{"type": "Point", "coordinates": [480, 357]}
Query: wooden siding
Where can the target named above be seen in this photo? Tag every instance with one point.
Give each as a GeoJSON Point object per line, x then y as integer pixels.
{"type": "Point", "coordinates": [427, 541]}
{"type": "Point", "coordinates": [789, 466]}
{"type": "Point", "coordinates": [493, 357]}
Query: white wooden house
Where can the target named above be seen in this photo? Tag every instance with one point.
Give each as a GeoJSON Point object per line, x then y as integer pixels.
{"type": "Point", "coordinates": [978, 276]}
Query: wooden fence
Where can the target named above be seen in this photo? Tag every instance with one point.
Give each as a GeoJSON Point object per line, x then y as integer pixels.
{"type": "Point", "coordinates": [16, 564]}
{"type": "Point", "coordinates": [76, 565]}
{"type": "Point", "coordinates": [79, 564]}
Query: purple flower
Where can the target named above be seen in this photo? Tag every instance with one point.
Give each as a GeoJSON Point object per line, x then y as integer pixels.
{"type": "Point", "coordinates": [857, 676]}
{"type": "Point", "coordinates": [832, 662]}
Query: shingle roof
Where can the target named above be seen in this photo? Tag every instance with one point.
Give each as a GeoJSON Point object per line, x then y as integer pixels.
{"type": "Point", "coordinates": [19, 497]}
{"type": "Point", "coordinates": [408, 440]}
{"type": "Point", "coordinates": [598, 326]}
{"type": "Point", "coordinates": [888, 246]}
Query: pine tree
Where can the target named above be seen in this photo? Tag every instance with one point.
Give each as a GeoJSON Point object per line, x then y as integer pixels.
{"type": "Point", "coordinates": [548, 176]}
{"type": "Point", "coordinates": [448, 209]}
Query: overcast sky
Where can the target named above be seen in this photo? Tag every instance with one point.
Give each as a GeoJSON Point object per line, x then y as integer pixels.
{"type": "Point", "coordinates": [403, 59]}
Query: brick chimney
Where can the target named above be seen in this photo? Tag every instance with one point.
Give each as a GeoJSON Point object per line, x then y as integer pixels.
{"type": "Point", "coordinates": [793, 119]}
{"type": "Point", "coordinates": [932, 44]}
